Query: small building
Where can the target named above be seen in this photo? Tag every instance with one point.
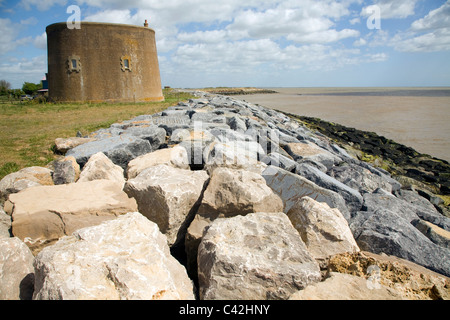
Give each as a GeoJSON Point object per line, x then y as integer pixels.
{"type": "Point", "coordinates": [44, 90]}
{"type": "Point", "coordinates": [103, 62]}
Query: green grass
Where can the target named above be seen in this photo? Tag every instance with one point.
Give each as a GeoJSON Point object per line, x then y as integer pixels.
{"type": "Point", "coordinates": [28, 130]}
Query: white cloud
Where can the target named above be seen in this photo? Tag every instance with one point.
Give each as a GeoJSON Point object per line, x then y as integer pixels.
{"type": "Point", "coordinates": [303, 22]}
{"type": "Point", "coordinates": [40, 41]}
{"type": "Point", "coordinates": [391, 9]}
{"type": "Point", "coordinates": [355, 21]}
{"type": "Point", "coordinates": [326, 36]}
{"type": "Point", "coordinates": [360, 42]}
{"type": "Point", "coordinates": [8, 36]}
{"type": "Point", "coordinates": [428, 34]}
{"type": "Point", "coordinates": [15, 70]}
{"type": "Point", "coordinates": [30, 21]}
{"type": "Point", "coordinates": [41, 5]}
{"type": "Point", "coordinates": [435, 19]}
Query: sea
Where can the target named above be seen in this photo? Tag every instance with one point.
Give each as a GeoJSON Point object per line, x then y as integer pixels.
{"type": "Point", "coordinates": [416, 117]}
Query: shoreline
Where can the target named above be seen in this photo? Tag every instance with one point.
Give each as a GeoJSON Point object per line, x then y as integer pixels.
{"type": "Point", "coordinates": [415, 121]}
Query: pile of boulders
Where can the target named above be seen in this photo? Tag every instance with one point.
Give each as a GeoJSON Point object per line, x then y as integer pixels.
{"type": "Point", "coordinates": [216, 198]}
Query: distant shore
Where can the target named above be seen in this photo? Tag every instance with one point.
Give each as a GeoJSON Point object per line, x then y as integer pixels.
{"type": "Point", "coordinates": [416, 117]}
{"type": "Point", "coordinates": [238, 91]}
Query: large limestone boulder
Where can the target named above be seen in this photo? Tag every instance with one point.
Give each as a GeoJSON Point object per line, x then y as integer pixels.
{"type": "Point", "coordinates": [16, 270]}
{"type": "Point", "coordinates": [324, 230]}
{"type": "Point", "coordinates": [125, 258]}
{"type": "Point", "coordinates": [41, 215]}
{"type": "Point", "coordinates": [176, 157]}
{"type": "Point", "coordinates": [5, 224]}
{"type": "Point", "coordinates": [409, 280]}
{"type": "Point", "coordinates": [23, 179]}
{"type": "Point", "coordinates": [292, 187]}
{"type": "Point", "coordinates": [100, 167]}
{"type": "Point", "coordinates": [257, 256]}
{"type": "Point", "coordinates": [167, 196]}
{"type": "Point", "coordinates": [230, 192]}
{"type": "Point", "coordinates": [340, 286]}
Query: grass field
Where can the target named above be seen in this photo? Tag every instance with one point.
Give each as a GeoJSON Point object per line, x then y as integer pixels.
{"type": "Point", "coordinates": [28, 130]}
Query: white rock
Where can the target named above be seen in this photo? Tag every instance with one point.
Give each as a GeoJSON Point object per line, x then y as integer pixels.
{"type": "Point", "coordinates": [176, 157]}
{"type": "Point", "coordinates": [5, 224]}
{"type": "Point", "coordinates": [230, 192]}
{"type": "Point", "coordinates": [44, 214]}
{"type": "Point", "coordinates": [166, 196]}
{"type": "Point", "coordinates": [125, 258]}
{"type": "Point", "coordinates": [257, 256]}
{"type": "Point", "coordinates": [16, 270]}
{"type": "Point", "coordinates": [99, 167]}
{"type": "Point", "coordinates": [235, 154]}
{"type": "Point", "coordinates": [23, 179]}
{"type": "Point", "coordinates": [324, 230]}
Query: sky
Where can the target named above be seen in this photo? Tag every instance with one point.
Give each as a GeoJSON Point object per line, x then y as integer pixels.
{"type": "Point", "coordinates": [260, 43]}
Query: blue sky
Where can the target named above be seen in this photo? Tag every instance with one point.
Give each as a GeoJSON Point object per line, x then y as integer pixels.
{"type": "Point", "coordinates": [264, 43]}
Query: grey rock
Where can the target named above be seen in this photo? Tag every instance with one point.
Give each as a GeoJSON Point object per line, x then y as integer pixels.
{"type": "Point", "coordinates": [236, 123]}
{"type": "Point", "coordinates": [438, 235]}
{"type": "Point", "coordinates": [278, 160]}
{"type": "Point", "coordinates": [65, 171]}
{"type": "Point", "coordinates": [385, 231]}
{"type": "Point", "coordinates": [409, 211]}
{"type": "Point", "coordinates": [65, 144]}
{"type": "Point", "coordinates": [208, 117]}
{"type": "Point", "coordinates": [155, 135]}
{"type": "Point", "coordinates": [227, 135]}
{"type": "Point", "coordinates": [416, 199]}
{"type": "Point", "coordinates": [120, 149]}
{"type": "Point", "coordinates": [246, 257]}
{"type": "Point", "coordinates": [313, 152]}
{"type": "Point", "coordinates": [379, 172]}
{"type": "Point", "coordinates": [173, 112]}
{"type": "Point", "coordinates": [292, 187]}
{"type": "Point", "coordinates": [359, 178]}
{"type": "Point", "coordinates": [352, 197]}
{"type": "Point", "coordinates": [313, 164]}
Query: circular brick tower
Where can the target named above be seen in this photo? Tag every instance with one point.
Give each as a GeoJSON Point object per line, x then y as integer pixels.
{"type": "Point", "coordinates": [103, 62]}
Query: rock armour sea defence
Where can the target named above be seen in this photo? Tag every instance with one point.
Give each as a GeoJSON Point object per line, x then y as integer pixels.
{"type": "Point", "coordinates": [217, 198]}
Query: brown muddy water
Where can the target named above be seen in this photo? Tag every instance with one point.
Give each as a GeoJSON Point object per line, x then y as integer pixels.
{"type": "Point", "coordinates": [416, 117]}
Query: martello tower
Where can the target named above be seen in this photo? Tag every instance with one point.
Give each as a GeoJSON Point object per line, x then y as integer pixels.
{"type": "Point", "coordinates": [103, 62]}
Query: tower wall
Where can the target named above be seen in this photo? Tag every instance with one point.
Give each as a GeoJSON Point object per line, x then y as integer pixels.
{"type": "Point", "coordinates": [103, 62]}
